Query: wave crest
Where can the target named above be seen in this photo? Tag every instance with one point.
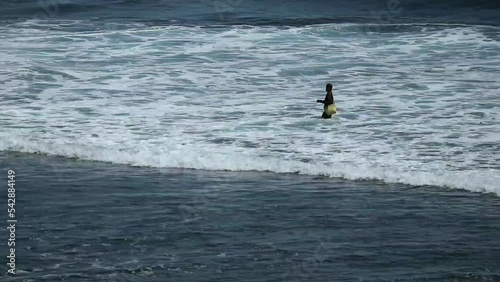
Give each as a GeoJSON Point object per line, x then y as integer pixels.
{"type": "Point", "coordinates": [476, 181]}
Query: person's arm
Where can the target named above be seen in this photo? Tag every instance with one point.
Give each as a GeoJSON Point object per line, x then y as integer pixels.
{"type": "Point", "coordinates": [323, 101]}
{"type": "Point", "coordinates": [328, 99]}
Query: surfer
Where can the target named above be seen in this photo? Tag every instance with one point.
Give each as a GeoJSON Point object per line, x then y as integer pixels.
{"type": "Point", "coordinates": [329, 103]}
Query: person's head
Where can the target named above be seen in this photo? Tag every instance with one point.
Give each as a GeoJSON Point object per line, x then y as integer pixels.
{"type": "Point", "coordinates": [329, 87]}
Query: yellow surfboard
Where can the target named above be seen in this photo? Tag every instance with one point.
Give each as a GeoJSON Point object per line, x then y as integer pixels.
{"type": "Point", "coordinates": [331, 110]}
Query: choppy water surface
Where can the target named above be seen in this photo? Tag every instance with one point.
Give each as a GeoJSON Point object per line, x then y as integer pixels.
{"type": "Point", "coordinates": [87, 221]}
{"type": "Point", "coordinates": [418, 103]}
{"type": "Point", "coordinates": [380, 192]}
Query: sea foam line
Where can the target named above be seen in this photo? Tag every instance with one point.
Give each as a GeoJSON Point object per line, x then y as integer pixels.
{"type": "Point", "coordinates": [477, 181]}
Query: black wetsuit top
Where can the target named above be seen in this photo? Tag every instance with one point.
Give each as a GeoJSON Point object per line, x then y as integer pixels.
{"type": "Point", "coordinates": [328, 99]}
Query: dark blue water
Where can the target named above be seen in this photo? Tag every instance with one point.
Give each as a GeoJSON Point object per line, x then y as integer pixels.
{"type": "Point", "coordinates": [88, 221]}
{"type": "Point", "coordinates": [259, 12]}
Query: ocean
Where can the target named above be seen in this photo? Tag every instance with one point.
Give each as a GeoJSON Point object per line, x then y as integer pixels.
{"type": "Point", "coordinates": [181, 140]}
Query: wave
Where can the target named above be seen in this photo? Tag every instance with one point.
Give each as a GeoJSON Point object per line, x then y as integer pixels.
{"type": "Point", "coordinates": [477, 181]}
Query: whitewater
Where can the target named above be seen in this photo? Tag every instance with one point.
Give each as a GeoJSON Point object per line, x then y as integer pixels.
{"type": "Point", "coordinates": [418, 103]}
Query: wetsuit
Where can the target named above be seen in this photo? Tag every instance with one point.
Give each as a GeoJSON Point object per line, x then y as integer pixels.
{"type": "Point", "coordinates": [329, 105]}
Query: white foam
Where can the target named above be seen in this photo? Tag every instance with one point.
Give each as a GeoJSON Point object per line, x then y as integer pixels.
{"type": "Point", "coordinates": [419, 108]}
{"type": "Point", "coordinates": [207, 159]}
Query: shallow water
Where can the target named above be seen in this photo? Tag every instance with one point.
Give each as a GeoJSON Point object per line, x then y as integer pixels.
{"type": "Point", "coordinates": [416, 106]}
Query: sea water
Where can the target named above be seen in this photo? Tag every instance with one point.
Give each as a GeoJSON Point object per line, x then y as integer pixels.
{"type": "Point", "coordinates": [226, 87]}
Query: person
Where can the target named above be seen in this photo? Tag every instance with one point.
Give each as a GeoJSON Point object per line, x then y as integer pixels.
{"type": "Point", "coordinates": [329, 103]}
